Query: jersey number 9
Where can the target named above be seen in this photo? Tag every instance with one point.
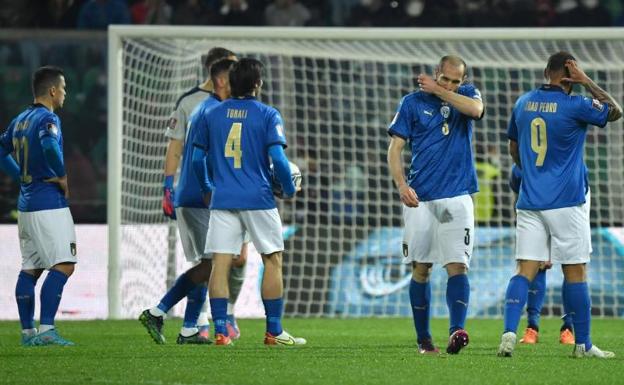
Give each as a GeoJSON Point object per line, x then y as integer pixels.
{"type": "Point", "coordinates": [539, 143]}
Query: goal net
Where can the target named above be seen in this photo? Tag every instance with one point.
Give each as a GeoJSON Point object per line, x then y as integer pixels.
{"type": "Point", "coordinates": [337, 90]}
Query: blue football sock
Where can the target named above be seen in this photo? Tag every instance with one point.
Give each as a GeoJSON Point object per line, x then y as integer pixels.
{"type": "Point", "coordinates": [180, 289]}
{"type": "Point", "coordinates": [194, 302]}
{"type": "Point", "coordinates": [218, 308]}
{"type": "Point", "coordinates": [567, 317]}
{"type": "Point", "coordinates": [420, 296]}
{"type": "Point", "coordinates": [515, 299]}
{"type": "Point", "coordinates": [535, 300]}
{"type": "Point", "coordinates": [25, 297]}
{"type": "Point", "coordinates": [273, 308]}
{"type": "Point", "coordinates": [457, 297]}
{"type": "Point", "coordinates": [579, 305]}
{"type": "Point", "coordinates": [51, 292]}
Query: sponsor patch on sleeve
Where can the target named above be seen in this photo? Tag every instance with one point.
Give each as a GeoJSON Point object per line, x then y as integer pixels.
{"type": "Point", "coordinates": [52, 129]}
{"type": "Point", "coordinates": [280, 129]}
{"type": "Point", "coordinates": [596, 104]}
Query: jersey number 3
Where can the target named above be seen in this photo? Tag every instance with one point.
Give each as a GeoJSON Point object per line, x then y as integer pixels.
{"type": "Point", "coordinates": [233, 144]}
{"type": "Point", "coordinates": [539, 143]}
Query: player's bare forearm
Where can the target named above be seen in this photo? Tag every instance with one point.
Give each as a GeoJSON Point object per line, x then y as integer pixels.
{"type": "Point", "coordinates": [615, 111]}
{"type": "Point", "coordinates": [467, 106]}
{"type": "Point", "coordinates": [173, 156]}
{"type": "Point", "coordinates": [577, 75]}
{"type": "Point", "coordinates": [395, 163]}
{"type": "Point", "coordinates": [515, 154]}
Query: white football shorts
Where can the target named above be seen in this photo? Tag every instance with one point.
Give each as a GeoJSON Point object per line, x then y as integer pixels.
{"type": "Point", "coordinates": [193, 226]}
{"type": "Point", "coordinates": [47, 238]}
{"type": "Point", "coordinates": [228, 229]}
{"type": "Point", "coordinates": [560, 235]}
{"type": "Point", "coordinates": [439, 231]}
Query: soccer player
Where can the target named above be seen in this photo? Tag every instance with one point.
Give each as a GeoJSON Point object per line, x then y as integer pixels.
{"type": "Point", "coordinates": [546, 134]}
{"type": "Point", "coordinates": [240, 137]}
{"type": "Point", "coordinates": [193, 216]}
{"type": "Point", "coordinates": [537, 289]}
{"type": "Point", "coordinates": [45, 224]}
{"type": "Point", "coordinates": [438, 213]}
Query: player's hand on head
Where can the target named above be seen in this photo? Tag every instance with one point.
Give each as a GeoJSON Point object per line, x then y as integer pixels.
{"type": "Point", "coordinates": [408, 196]}
{"type": "Point", "coordinates": [167, 203]}
{"type": "Point", "coordinates": [576, 74]}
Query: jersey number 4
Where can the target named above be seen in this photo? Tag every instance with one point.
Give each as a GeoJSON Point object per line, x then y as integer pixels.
{"type": "Point", "coordinates": [539, 142]}
{"type": "Point", "coordinates": [233, 144]}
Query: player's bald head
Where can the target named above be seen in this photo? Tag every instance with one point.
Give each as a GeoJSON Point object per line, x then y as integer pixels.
{"type": "Point", "coordinates": [452, 60]}
{"type": "Point", "coordinates": [556, 65]}
{"type": "Point", "coordinates": [45, 78]}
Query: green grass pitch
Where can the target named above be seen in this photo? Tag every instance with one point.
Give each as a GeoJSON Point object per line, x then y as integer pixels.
{"type": "Point", "coordinates": [339, 351]}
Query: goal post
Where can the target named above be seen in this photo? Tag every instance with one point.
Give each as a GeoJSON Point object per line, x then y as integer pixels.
{"type": "Point", "coordinates": [337, 89]}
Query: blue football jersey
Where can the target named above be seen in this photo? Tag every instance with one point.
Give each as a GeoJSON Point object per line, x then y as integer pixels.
{"type": "Point", "coordinates": [515, 179]}
{"type": "Point", "coordinates": [237, 135]}
{"type": "Point", "coordinates": [188, 192]}
{"type": "Point", "coordinates": [23, 138]}
{"type": "Point", "coordinates": [440, 138]}
{"type": "Point", "coordinates": [550, 127]}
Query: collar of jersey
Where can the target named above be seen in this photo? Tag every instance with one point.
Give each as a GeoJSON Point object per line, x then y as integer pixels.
{"type": "Point", "coordinates": [551, 88]}
{"type": "Point", "coordinates": [35, 105]}
{"type": "Point", "coordinates": [243, 97]}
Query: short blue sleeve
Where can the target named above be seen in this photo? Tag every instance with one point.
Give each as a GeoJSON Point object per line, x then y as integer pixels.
{"type": "Point", "coordinates": [198, 134]}
{"type": "Point", "coordinates": [591, 111]}
{"type": "Point", "coordinates": [470, 91]}
{"type": "Point", "coordinates": [512, 128]}
{"type": "Point", "coordinates": [275, 129]}
{"type": "Point", "coordinates": [401, 123]}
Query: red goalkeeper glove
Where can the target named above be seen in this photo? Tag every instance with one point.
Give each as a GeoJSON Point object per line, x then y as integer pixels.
{"type": "Point", "coordinates": [168, 198]}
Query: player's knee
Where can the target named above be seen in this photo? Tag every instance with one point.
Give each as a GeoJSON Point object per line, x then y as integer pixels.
{"type": "Point", "coordinates": [273, 260]}
{"type": "Point", "coordinates": [574, 273]}
{"type": "Point", "coordinates": [453, 269]}
{"type": "Point", "coordinates": [65, 268]}
{"type": "Point", "coordinates": [421, 272]}
{"type": "Point", "coordinates": [528, 269]}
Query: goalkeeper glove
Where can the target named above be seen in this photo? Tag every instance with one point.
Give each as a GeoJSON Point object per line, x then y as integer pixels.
{"type": "Point", "coordinates": [168, 197]}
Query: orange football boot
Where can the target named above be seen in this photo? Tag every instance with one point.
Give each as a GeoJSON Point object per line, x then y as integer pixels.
{"type": "Point", "coordinates": [531, 336]}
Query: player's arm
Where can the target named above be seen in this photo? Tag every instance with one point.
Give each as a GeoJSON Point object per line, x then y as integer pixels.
{"type": "Point", "coordinates": [281, 168]}
{"type": "Point", "coordinates": [577, 75]}
{"type": "Point", "coordinates": [395, 163]}
{"type": "Point", "coordinates": [471, 107]}
{"type": "Point", "coordinates": [7, 163]}
{"type": "Point", "coordinates": [515, 153]}
{"type": "Point", "coordinates": [54, 159]}
{"type": "Point", "coordinates": [200, 168]}
{"type": "Point", "coordinates": [175, 132]}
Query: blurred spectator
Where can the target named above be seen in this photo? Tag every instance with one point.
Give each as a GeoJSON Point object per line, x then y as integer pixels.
{"type": "Point", "coordinates": [340, 10]}
{"type": "Point", "coordinates": [583, 13]}
{"type": "Point", "coordinates": [150, 12]}
{"type": "Point", "coordinates": [376, 13]}
{"type": "Point", "coordinates": [237, 12]}
{"type": "Point", "coordinates": [289, 13]}
{"type": "Point", "coordinates": [51, 14]}
{"type": "Point", "coordinates": [98, 14]}
{"type": "Point", "coordinates": [426, 13]}
{"type": "Point", "coordinates": [193, 12]}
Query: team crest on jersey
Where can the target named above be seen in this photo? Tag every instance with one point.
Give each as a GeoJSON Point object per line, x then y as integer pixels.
{"type": "Point", "coordinates": [52, 129]}
{"type": "Point", "coordinates": [173, 122]}
{"type": "Point", "coordinates": [597, 105]}
{"type": "Point", "coordinates": [72, 248]}
{"type": "Point", "coordinates": [445, 111]}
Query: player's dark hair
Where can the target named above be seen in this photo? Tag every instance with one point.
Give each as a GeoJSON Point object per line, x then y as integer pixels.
{"type": "Point", "coordinates": [219, 67]}
{"type": "Point", "coordinates": [245, 76]}
{"type": "Point", "coordinates": [215, 54]}
{"type": "Point", "coordinates": [44, 78]}
{"type": "Point", "coordinates": [453, 60]}
{"type": "Point", "coordinates": [556, 63]}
